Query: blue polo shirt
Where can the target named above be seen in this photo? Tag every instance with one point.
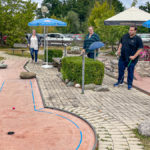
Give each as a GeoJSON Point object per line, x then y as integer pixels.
{"type": "Point", "coordinates": [130, 45]}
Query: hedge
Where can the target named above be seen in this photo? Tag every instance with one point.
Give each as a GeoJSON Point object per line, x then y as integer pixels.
{"type": "Point", "coordinates": [54, 53]}
{"type": "Point", "coordinates": [72, 70]}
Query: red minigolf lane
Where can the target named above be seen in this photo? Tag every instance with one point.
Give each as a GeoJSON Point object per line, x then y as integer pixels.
{"type": "Point", "coordinates": [43, 129]}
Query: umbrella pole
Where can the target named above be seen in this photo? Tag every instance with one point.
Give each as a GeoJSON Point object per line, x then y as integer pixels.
{"type": "Point", "coordinates": [47, 50]}
{"type": "Point", "coordinates": [44, 45]}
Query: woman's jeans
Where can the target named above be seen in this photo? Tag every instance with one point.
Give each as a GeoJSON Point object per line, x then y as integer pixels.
{"type": "Point", "coordinates": [121, 68]}
{"type": "Point", "coordinates": [91, 55]}
{"type": "Point", "coordinates": [34, 52]}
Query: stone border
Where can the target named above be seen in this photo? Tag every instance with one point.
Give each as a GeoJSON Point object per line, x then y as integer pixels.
{"type": "Point", "coordinates": [43, 101]}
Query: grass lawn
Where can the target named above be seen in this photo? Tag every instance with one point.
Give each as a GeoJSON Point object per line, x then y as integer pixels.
{"type": "Point", "coordinates": [1, 58]}
{"type": "Point", "coordinates": [26, 54]}
{"type": "Point", "coordinates": [144, 140]}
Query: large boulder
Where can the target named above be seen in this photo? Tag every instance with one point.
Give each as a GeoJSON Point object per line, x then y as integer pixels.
{"type": "Point", "coordinates": [3, 66]}
{"type": "Point", "coordinates": [144, 128]}
{"type": "Point", "coordinates": [70, 83]}
{"type": "Point", "coordinates": [27, 75]}
{"type": "Point", "coordinates": [101, 88]}
{"type": "Point", "coordinates": [89, 87]}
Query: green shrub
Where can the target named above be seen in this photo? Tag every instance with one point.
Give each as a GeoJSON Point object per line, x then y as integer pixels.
{"type": "Point", "coordinates": [72, 70]}
{"type": "Point", "coordinates": [54, 53]}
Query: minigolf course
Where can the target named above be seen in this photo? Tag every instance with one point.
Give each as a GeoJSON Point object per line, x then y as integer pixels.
{"type": "Point", "coordinates": [26, 125]}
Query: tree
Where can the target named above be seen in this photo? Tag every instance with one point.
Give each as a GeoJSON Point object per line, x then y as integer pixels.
{"type": "Point", "coordinates": [16, 14]}
{"type": "Point", "coordinates": [73, 22]}
{"type": "Point", "coordinates": [108, 34]}
{"type": "Point", "coordinates": [134, 3]}
{"type": "Point", "coordinates": [118, 6]}
{"type": "Point", "coordinates": [146, 7]}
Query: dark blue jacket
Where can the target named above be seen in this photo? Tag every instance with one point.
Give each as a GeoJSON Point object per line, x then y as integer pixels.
{"type": "Point", "coordinates": [88, 41]}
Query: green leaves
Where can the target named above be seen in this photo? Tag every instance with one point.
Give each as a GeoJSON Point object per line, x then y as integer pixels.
{"type": "Point", "coordinates": [15, 16]}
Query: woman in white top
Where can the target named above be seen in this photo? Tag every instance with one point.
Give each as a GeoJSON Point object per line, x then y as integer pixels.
{"type": "Point", "coordinates": [34, 44]}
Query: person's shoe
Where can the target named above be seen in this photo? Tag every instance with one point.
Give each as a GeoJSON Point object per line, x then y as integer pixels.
{"type": "Point", "coordinates": [129, 87]}
{"type": "Point", "coordinates": [118, 84]}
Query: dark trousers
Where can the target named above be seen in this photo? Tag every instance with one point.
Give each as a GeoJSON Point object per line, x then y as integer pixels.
{"type": "Point", "coordinates": [121, 69]}
{"type": "Point", "coordinates": [33, 53]}
{"type": "Point", "coordinates": [91, 55]}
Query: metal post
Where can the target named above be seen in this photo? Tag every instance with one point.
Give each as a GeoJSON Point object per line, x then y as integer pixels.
{"type": "Point", "coordinates": [65, 51]}
{"type": "Point", "coordinates": [95, 54]}
{"type": "Point", "coordinates": [83, 71]}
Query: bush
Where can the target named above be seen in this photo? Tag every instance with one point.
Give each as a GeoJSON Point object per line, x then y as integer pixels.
{"type": "Point", "coordinates": [72, 70]}
{"type": "Point", "coordinates": [54, 53]}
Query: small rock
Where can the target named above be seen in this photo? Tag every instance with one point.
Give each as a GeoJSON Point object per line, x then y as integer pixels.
{"type": "Point", "coordinates": [102, 59]}
{"type": "Point", "coordinates": [3, 66]}
{"type": "Point", "coordinates": [27, 75]}
{"type": "Point", "coordinates": [70, 84]}
{"type": "Point", "coordinates": [146, 64]}
{"type": "Point", "coordinates": [89, 87]}
{"type": "Point", "coordinates": [66, 81]}
{"type": "Point", "coordinates": [101, 88]}
{"type": "Point", "coordinates": [77, 85]}
{"type": "Point", "coordinates": [75, 48]}
{"type": "Point", "coordinates": [75, 105]}
{"type": "Point", "coordinates": [114, 62]}
{"type": "Point", "coordinates": [108, 67]}
{"type": "Point", "coordinates": [60, 76]}
{"type": "Point", "coordinates": [144, 128]}
{"type": "Point", "coordinates": [114, 66]}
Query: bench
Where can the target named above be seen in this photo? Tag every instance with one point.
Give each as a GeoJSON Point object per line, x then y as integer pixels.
{"type": "Point", "coordinates": [57, 63]}
{"type": "Point", "coordinates": [19, 47]}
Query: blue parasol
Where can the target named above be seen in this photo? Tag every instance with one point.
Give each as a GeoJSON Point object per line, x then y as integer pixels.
{"type": "Point", "coordinates": [96, 45]}
{"type": "Point", "coordinates": [146, 24]}
{"type": "Point", "coordinates": [47, 22]}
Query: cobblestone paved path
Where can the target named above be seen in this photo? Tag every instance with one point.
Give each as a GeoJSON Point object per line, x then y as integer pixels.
{"type": "Point", "coordinates": [113, 114]}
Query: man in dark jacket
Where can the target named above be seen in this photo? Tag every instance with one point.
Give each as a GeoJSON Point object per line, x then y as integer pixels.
{"type": "Point", "coordinates": [90, 38]}
{"type": "Point", "coordinates": [129, 49]}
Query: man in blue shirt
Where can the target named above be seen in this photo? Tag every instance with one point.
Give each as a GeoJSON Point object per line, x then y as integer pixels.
{"type": "Point", "coordinates": [129, 49]}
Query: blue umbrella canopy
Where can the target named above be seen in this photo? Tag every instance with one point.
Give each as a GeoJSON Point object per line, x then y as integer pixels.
{"type": "Point", "coordinates": [96, 45]}
{"type": "Point", "coordinates": [146, 24]}
{"type": "Point", "coordinates": [47, 22]}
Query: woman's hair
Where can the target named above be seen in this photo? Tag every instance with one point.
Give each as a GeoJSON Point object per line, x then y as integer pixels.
{"type": "Point", "coordinates": [33, 30]}
{"type": "Point", "coordinates": [91, 27]}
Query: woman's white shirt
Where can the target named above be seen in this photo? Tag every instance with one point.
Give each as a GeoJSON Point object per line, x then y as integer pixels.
{"type": "Point", "coordinates": [34, 43]}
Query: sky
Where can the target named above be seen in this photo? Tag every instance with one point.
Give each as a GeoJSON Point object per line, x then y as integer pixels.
{"type": "Point", "coordinates": [126, 3]}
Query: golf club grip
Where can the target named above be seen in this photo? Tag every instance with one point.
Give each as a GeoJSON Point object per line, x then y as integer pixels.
{"type": "Point", "coordinates": [129, 63]}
